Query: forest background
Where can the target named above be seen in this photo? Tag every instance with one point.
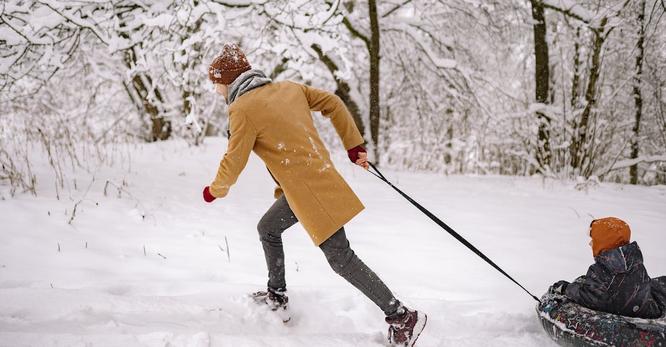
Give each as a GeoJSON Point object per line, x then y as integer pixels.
{"type": "Point", "coordinates": [559, 88]}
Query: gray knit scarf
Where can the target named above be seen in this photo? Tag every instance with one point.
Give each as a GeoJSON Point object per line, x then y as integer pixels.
{"type": "Point", "coordinates": [245, 82]}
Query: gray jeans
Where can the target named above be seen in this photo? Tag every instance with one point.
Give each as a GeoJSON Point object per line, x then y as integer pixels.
{"type": "Point", "coordinates": [340, 256]}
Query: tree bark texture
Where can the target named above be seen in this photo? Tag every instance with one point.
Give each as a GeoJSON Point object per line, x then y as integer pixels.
{"type": "Point", "coordinates": [638, 97]}
{"type": "Point", "coordinates": [160, 127]}
{"type": "Point", "coordinates": [578, 148]}
{"type": "Point", "coordinates": [342, 88]}
{"type": "Point", "coordinates": [374, 76]}
{"type": "Point", "coordinates": [575, 84]}
{"type": "Point", "coordinates": [542, 78]}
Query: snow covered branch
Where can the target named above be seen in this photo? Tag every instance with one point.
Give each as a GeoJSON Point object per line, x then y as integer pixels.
{"type": "Point", "coordinates": [570, 8]}
{"type": "Point", "coordinates": [595, 21]}
{"type": "Point", "coordinates": [446, 86]}
{"type": "Point", "coordinates": [623, 164]}
{"type": "Point", "coordinates": [355, 32]}
{"type": "Point", "coordinates": [395, 8]}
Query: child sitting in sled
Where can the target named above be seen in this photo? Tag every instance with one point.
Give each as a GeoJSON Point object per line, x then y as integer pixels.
{"type": "Point", "coordinates": [617, 282]}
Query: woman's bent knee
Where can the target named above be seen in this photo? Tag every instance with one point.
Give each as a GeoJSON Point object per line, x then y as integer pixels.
{"type": "Point", "coordinates": [341, 260]}
{"type": "Point", "coordinates": [267, 231]}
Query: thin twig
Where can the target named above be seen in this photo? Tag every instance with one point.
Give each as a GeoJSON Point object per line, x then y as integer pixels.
{"type": "Point", "coordinates": [227, 243]}
{"type": "Point", "coordinates": [71, 218]}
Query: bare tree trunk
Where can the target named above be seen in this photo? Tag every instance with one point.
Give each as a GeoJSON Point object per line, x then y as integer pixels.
{"type": "Point", "coordinates": [374, 76]}
{"type": "Point", "coordinates": [372, 44]}
{"type": "Point", "coordinates": [578, 144]}
{"type": "Point", "coordinates": [542, 78]}
{"type": "Point", "coordinates": [188, 93]}
{"type": "Point", "coordinates": [575, 84]}
{"type": "Point", "coordinates": [160, 127]}
{"type": "Point", "coordinates": [342, 90]}
{"type": "Point", "coordinates": [638, 97]}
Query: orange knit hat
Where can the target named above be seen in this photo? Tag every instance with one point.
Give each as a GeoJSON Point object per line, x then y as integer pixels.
{"type": "Point", "coordinates": [608, 233]}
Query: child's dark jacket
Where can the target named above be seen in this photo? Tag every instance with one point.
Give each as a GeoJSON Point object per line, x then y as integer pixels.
{"type": "Point", "coordinates": [618, 283]}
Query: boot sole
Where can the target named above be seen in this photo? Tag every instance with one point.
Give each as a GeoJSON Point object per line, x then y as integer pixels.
{"type": "Point", "coordinates": [421, 320]}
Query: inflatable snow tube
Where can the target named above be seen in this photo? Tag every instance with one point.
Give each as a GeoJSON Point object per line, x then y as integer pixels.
{"type": "Point", "coordinates": [570, 324]}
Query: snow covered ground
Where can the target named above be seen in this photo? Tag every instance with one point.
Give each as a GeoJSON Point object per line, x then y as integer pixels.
{"type": "Point", "coordinates": [150, 267]}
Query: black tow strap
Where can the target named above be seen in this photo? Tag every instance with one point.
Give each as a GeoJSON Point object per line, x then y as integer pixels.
{"type": "Point", "coordinates": [450, 230]}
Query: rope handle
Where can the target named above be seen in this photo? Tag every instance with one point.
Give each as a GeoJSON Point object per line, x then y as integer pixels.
{"type": "Point", "coordinates": [450, 230]}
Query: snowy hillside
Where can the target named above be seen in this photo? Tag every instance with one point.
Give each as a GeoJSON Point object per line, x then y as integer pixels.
{"type": "Point", "coordinates": [151, 264]}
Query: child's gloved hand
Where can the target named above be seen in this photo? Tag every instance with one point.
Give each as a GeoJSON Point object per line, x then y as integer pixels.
{"type": "Point", "coordinates": [207, 196]}
{"type": "Point", "coordinates": [559, 287]}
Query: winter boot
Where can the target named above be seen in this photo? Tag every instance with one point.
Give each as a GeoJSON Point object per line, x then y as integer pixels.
{"type": "Point", "coordinates": [405, 328]}
{"type": "Point", "coordinates": [275, 299]}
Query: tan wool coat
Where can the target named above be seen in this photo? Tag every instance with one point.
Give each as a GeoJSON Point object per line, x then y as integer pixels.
{"type": "Point", "coordinates": [275, 121]}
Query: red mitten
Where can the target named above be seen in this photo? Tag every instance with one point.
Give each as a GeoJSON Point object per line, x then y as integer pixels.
{"type": "Point", "coordinates": [352, 153]}
{"type": "Point", "coordinates": [207, 196]}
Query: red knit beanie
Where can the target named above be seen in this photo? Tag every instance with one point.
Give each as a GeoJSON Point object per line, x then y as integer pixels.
{"type": "Point", "coordinates": [228, 65]}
